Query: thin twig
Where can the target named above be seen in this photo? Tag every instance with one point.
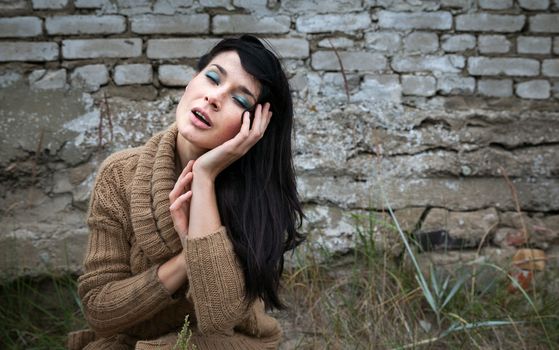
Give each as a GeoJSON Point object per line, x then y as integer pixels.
{"type": "Point", "coordinates": [100, 130]}
{"type": "Point", "coordinates": [516, 202]}
{"type": "Point", "coordinates": [346, 85]}
{"type": "Point", "coordinates": [109, 115]}
{"type": "Point", "coordinates": [472, 290]}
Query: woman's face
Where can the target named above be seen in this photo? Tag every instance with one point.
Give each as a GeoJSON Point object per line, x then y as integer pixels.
{"type": "Point", "coordinates": [210, 110]}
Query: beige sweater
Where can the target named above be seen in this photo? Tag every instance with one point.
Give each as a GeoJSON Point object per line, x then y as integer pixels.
{"type": "Point", "coordinates": [131, 234]}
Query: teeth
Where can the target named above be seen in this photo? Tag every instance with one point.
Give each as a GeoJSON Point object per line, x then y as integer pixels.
{"type": "Point", "coordinates": [201, 117]}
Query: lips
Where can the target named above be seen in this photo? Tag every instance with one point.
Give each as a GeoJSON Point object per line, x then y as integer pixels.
{"type": "Point", "coordinates": [202, 116]}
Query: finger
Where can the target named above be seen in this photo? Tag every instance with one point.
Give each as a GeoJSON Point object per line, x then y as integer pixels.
{"type": "Point", "coordinates": [180, 201]}
{"type": "Point", "coordinates": [263, 120]}
{"type": "Point", "coordinates": [257, 117]}
{"type": "Point", "coordinates": [186, 170]}
{"type": "Point", "coordinates": [245, 127]}
{"type": "Point", "coordinates": [178, 189]}
{"type": "Point", "coordinates": [266, 116]}
{"type": "Point", "coordinates": [179, 213]}
{"type": "Point", "coordinates": [187, 181]}
{"type": "Point", "coordinates": [183, 183]}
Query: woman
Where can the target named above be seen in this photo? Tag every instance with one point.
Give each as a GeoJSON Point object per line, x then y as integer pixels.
{"type": "Point", "coordinates": [197, 220]}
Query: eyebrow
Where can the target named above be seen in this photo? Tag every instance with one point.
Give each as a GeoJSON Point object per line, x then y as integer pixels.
{"type": "Point", "coordinates": [242, 88]}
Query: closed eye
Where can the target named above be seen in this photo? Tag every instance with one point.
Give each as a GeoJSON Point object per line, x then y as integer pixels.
{"type": "Point", "coordinates": [213, 76]}
{"type": "Point", "coordinates": [243, 102]}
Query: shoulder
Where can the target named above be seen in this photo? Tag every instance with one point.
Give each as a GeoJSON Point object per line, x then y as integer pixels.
{"type": "Point", "coordinates": [116, 172]}
{"type": "Point", "coordinates": [119, 164]}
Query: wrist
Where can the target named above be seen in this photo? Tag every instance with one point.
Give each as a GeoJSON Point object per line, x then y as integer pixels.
{"type": "Point", "coordinates": [203, 178]}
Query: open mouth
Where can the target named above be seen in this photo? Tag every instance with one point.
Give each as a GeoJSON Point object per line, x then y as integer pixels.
{"type": "Point", "coordinates": [201, 117]}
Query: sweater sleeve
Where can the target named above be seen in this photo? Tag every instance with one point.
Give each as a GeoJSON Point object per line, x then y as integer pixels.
{"type": "Point", "coordinates": [216, 282]}
{"type": "Point", "coordinates": [113, 299]}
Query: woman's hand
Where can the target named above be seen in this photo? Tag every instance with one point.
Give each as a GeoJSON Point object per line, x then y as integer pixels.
{"type": "Point", "coordinates": [216, 160]}
{"type": "Point", "coordinates": [180, 202]}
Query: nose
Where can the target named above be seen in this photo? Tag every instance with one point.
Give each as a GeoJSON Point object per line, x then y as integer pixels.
{"type": "Point", "coordinates": [214, 99]}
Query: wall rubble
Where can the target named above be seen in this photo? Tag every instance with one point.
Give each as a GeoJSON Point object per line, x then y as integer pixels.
{"type": "Point", "coordinates": [436, 101]}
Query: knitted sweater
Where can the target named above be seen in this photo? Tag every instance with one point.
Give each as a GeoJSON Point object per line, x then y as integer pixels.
{"type": "Point", "coordinates": [131, 234]}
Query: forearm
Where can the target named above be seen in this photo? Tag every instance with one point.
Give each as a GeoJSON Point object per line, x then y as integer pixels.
{"type": "Point", "coordinates": [172, 273]}
{"type": "Point", "coordinates": [204, 214]}
{"type": "Point", "coordinates": [113, 306]}
{"type": "Point", "coordinates": [216, 282]}
{"type": "Point", "coordinates": [216, 277]}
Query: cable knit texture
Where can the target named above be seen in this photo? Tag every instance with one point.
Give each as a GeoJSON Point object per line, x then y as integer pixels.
{"type": "Point", "coordinates": [131, 234]}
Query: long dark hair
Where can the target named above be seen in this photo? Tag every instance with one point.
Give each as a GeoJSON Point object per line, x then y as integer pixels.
{"type": "Point", "coordinates": [256, 195]}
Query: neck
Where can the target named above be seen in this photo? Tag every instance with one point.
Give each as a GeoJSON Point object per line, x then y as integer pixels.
{"type": "Point", "coordinates": [187, 151]}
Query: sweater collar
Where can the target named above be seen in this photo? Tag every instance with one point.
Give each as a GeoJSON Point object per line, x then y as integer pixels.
{"type": "Point", "coordinates": [155, 177]}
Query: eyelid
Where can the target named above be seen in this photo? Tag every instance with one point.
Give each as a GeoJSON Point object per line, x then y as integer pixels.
{"type": "Point", "coordinates": [243, 101]}
{"type": "Point", "coordinates": [213, 76]}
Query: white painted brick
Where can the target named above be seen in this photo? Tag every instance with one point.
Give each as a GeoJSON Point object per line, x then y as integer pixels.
{"type": "Point", "coordinates": [544, 23]}
{"type": "Point", "coordinates": [48, 79]}
{"type": "Point", "coordinates": [8, 78]}
{"type": "Point", "coordinates": [177, 24]}
{"type": "Point", "coordinates": [131, 7]}
{"type": "Point", "coordinates": [290, 47]}
{"type": "Point", "coordinates": [508, 66]}
{"type": "Point", "coordinates": [90, 77]}
{"type": "Point", "coordinates": [339, 43]}
{"type": "Point", "coordinates": [222, 24]}
{"type": "Point", "coordinates": [298, 82]}
{"type": "Point", "coordinates": [170, 7]}
{"type": "Point", "coordinates": [495, 4]}
{"type": "Point", "coordinates": [389, 42]}
{"type": "Point", "coordinates": [421, 42]}
{"type": "Point", "coordinates": [253, 5]}
{"type": "Point", "coordinates": [379, 88]}
{"type": "Point", "coordinates": [418, 85]}
{"type": "Point", "coordinates": [28, 51]}
{"type": "Point", "coordinates": [318, 6]}
{"type": "Point", "coordinates": [175, 75]}
{"type": "Point", "coordinates": [555, 89]}
{"type": "Point", "coordinates": [332, 85]}
{"type": "Point", "coordinates": [19, 27]}
{"type": "Point", "coordinates": [178, 48]}
{"type": "Point", "coordinates": [456, 85]}
{"type": "Point", "coordinates": [129, 74]}
{"type": "Point", "coordinates": [550, 68]}
{"type": "Point", "coordinates": [12, 5]}
{"type": "Point", "coordinates": [445, 64]}
{"type": "Point", "coordinates": [88, 4]}
{"type": "Point", "coordinates": [495, 87]}
{"type": "Point", "coordinates": [533, 44]}
{"type": "Point", "coordinates": [96, 48]}
{"type": "Point", "coordinates": [418, 20]}
{"type": "Point", "coordinates": [122, 4]}
{"type": "Point", "coordinates": [352, 61]}
{"type": "Point", "coordinates": [534, 4]}
{"type": "Point", "coordinates": [49, 4]}
{"type": "Point", "coordinates": [456, 43]}
{"type": "Point", "coordinates": [85, 24]}
{"type": "Point", "coordinates": [331, 22]}
{"type": "Point", "coordinates": [461, 4]}
{"type": "Point", "coordinates": [533, 89]}
{"type": "Point", "coordinates": [493, 44]}
{"type": "Point", "coordinates": [215, 3]}
{"type": "Point", "coordinates": [485, 22]}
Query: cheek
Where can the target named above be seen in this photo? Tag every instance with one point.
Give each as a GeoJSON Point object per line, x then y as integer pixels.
{"type": "Point", "coordinates": [232, 128]}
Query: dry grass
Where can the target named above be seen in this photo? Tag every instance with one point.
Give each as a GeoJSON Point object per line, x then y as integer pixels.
{"type": "Point", "coordinates": [369, 300]}
{"type": "Point", "coordinates": [363, 300]}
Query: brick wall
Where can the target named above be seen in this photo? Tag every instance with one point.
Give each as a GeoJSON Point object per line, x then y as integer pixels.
{"type": "Point", "coordinates": [438, 48]}
{"type": "Point", "coordinates": [443, 96]}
